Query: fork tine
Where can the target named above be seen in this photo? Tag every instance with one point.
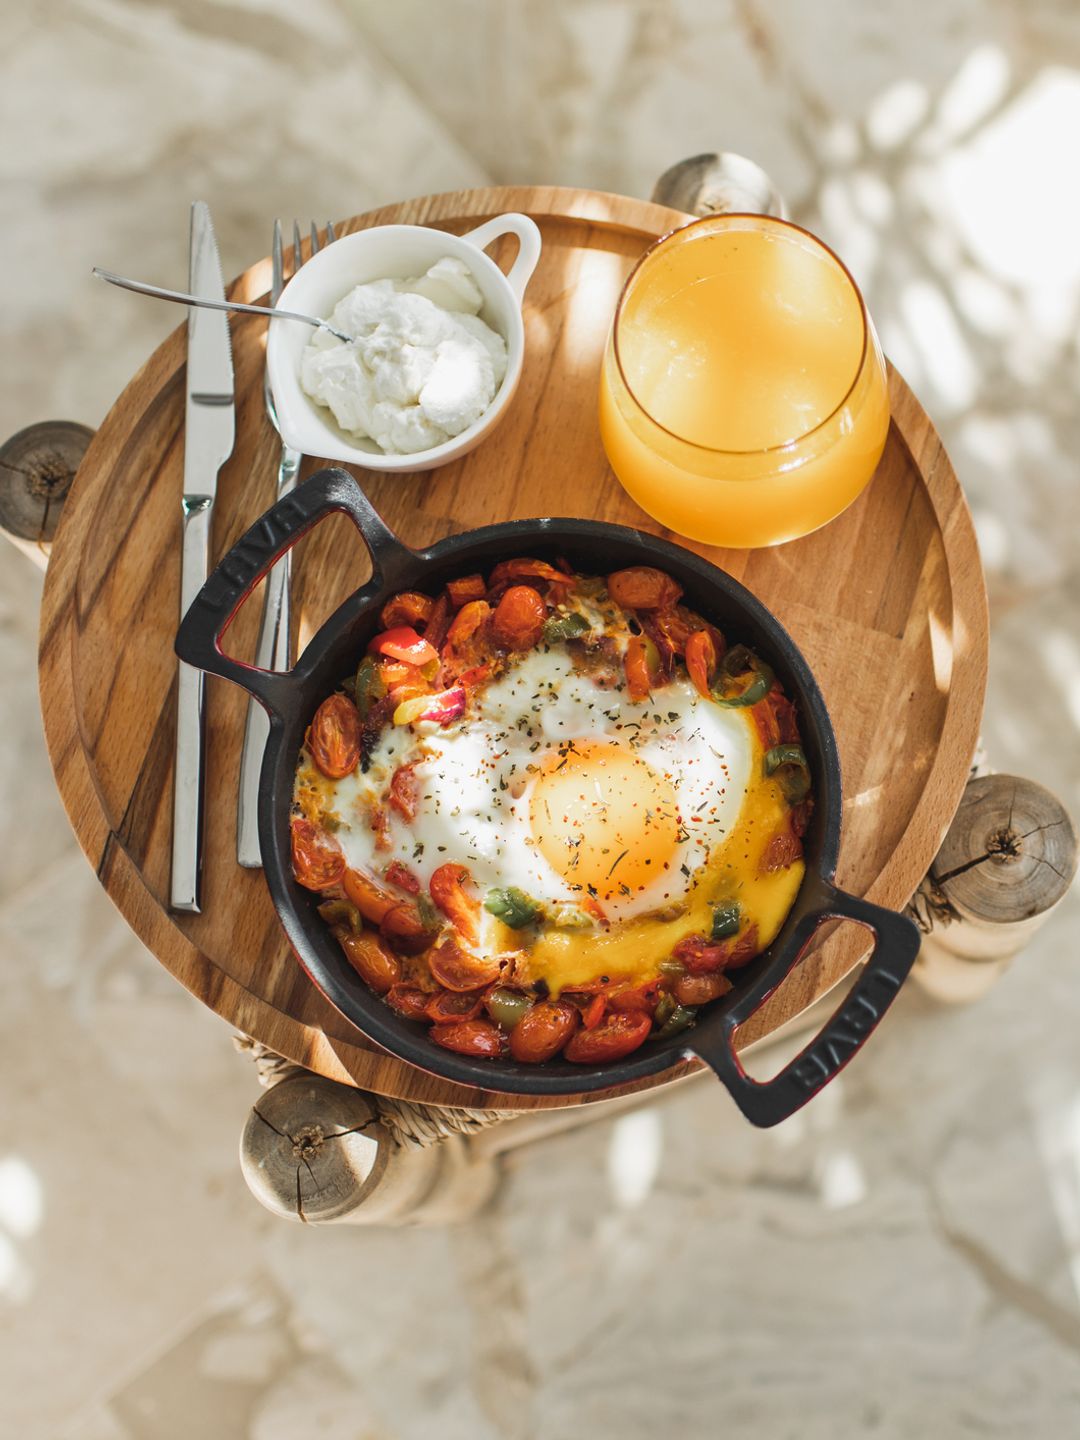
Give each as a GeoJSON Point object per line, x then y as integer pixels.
{"type": "Point", "coordinates": [278, 264]}
{"type": "Point", "coordinates": [314, 238]}
{"type": "Point", "coordinates": [330, 236]}
{"type": "Point", "coordinates": [298, 258]}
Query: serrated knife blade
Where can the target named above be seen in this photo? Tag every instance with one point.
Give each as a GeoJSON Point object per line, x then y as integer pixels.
{"type": "Point", "coordinates": [209, 436]}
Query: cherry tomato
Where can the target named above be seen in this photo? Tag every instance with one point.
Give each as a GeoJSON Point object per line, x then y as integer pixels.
{"type": "Point", "coordinates": [369, 897]}
{"type": "Point", "coordinates": [317, 859]}
{"type": "Point", "coordinates": [401, 876]}
{"type": "Point", "coordinates": [458, 970]}
{"type": "Point", "coordinates": [643, 588]}
{"type": "Point", "coordinates": [700, 989]}
{"type": "Point", "coordinates": [407, 608]}
{"type": "Point", "coordinates": [702, 957]}
{"type": "Point", "coordinates": [467, 621]}
{"type": "Point", "coordinates": [333, 737]}
{"type": "Point", "coordinates": [470, 1037]}
{"type": "Point", "coordinates": [403, 643]}
{"type": "Point", "coordinates": [543, 1031]}
{"type": "Point", "coordinates": [622, 1032]}
{"type": "Point", "coordinates": [636, 665]}
{"type": "Point", "coordinates": [469, 587]}
{"type": "Point", "coordinates": [783, 850]}
{"type": "Point", "coordinates": [408, 1001]}
{"type": "Point", "coordinates": [447, 890]}
{"type": "Point", "coordinates": [372, 960]}
{"type": "Point", "coordinates": [593, 1012]}
{"type": "Point", "coordinates": [444, 1007]}
{"type": "Point", "coordinates": [438, 623]}
{"type": "Point", "coordinates": [519, 618]}
{"type": "Point", "coordinates": [642, 997]}
{"type": "Point", "coordinates": [701, 661]}
{"type": "Point", "coordinates": [775, 720]}
{"type": "Point", "coordinates": [403, 791]}
{"type": "Point", "coordinates": [402, 922]}
{"type": "Point", "coordinates": [508, 571]}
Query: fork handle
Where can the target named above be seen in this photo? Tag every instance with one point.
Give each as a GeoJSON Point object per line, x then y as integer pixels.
{"type": "Point", "coordinates": [272, 652]}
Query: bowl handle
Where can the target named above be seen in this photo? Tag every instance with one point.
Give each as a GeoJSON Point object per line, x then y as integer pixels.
{"type": "Point", "coordinates": [896, 944]}
{"type": "Point", "coordinates": [529, 246]}
{"type": "Point", "coordinates": [198, 641]}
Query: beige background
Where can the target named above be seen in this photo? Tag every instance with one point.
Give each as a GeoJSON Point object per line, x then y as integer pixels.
{"type": "Point", "coordinates": [903, 1258]}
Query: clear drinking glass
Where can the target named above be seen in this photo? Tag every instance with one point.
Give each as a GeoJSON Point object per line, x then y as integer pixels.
{"type": "Point", "coordinates": [743, 399]}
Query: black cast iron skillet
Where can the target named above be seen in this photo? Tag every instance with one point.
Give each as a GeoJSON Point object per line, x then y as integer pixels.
{"type": "Point", "coordinates": [592, 548]}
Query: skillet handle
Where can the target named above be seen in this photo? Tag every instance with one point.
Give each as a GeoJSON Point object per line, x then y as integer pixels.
{"type": "Point", "coordinates": [896, 944]}
{"type": "Point", "coordinates": [198, 641]}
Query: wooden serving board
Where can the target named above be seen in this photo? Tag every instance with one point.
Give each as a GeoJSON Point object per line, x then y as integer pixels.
{"type": "Point", "coordinates": [887, 604]}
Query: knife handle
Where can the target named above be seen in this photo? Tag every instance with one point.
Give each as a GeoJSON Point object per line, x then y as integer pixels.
{"type": "Point", "coordinates": [186, 878]}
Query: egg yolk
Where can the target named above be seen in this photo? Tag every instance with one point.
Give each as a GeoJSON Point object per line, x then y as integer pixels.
{"type": "Point", "coordinates": [604, 819]}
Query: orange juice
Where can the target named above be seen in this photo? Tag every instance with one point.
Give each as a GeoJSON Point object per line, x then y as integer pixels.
{"type": "Point", "coordinates": [743, 399]}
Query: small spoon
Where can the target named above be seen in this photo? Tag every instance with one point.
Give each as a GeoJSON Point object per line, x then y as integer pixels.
{"type": "Point", "coordinates": [183, 299]}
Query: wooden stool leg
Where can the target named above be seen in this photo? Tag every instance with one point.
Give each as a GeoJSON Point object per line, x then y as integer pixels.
{"type": "Point", "coordinates": [1006, 862]}
{"type": "Point", "coordinates": [37, 467]}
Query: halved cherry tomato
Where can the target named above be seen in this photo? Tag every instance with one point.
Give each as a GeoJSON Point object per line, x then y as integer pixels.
{"type": "Point", "coordinates": [407, 608]}
{"type": "Point", "coordinates": [782, 850]}
{"type": "Point", "coordinates": [700, 989]}
{"type": "Point", "coordinates": [642, 998]}
{"type": "Point", "coordinates": [622, 1032]}
{"type": "Point", "coordinates": [458, 970]}
{"type": "Point", "coordinates": [468, 587]}
{"type": "Point", "coordinates": [333, 737]}
{"type": "Point", "coordinates": [402, 923]}
{"type": "Point", "coordinates": [317, 859]}
{"type": "Point", "coordinates": [519, 618]}
{"type": "Point", "coordinates": [775, 720]}
{"type": "Point", "coordinates": [705, 957]}
{"type": "Point", "coordinates": [404, 791]}
{"type": "Point", "coordinates": [593, 1012]}
{"type": "Point", "coordinates": [369, 897]}
{"type": "Point", "coordinates": [643, 588]}
{"type": "Point", "coordinates": [799, 818]}
{"type": "Point", "coordinates": [467, 621]}
{"type": "Point", "coordinates": [543, 1031]}
{"type": "Point", "coordinates": [470, 1037]}
{"type": "Point", "coordinates": [509, 571]}
{"type": "Point", "coordinates": [372, 960]}
{"type": "Point", "coordinates": [408, 1001]}
{"type": "Point", "coordinates": [443, 1008]}
{"type": "Point", "coordinates": [401, 876]}
{"type": "Point", "coordinates": [438, 623]}
{"type": "Point", "coordinates": [701, 660]}
{"type": "Point", "coordinates": [403, 643]}
{"type": "Point", "coordinates": [447, 890]}
{"type": "Point", "coordinates": [636, 665]}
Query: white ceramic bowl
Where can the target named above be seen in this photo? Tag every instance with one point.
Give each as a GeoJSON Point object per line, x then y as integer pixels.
{"type": "Point", "coordinates": [395, 252]}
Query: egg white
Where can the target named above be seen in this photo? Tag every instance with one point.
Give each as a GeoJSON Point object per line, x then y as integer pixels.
{"type": "Point", "coordinates": [475, 777]}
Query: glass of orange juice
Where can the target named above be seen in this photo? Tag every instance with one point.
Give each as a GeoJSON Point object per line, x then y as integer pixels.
{"type": "Point", "coordinates": [743, 400]}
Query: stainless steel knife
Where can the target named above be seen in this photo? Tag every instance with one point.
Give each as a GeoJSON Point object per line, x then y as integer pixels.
{"type": "Point", "coordinates": [209, 436]}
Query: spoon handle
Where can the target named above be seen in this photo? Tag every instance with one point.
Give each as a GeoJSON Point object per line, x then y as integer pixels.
{"type": "Point", "coordinates": [182, 298]}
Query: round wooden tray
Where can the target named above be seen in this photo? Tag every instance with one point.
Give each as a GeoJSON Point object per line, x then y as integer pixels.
{"type": "Point", "coordinates": [887, 604]}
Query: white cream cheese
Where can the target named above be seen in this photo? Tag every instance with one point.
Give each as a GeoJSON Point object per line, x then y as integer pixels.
{"type": "Point", "coordinates": [422, 366]}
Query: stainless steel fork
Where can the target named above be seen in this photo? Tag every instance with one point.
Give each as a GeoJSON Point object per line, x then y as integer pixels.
{"type": "Point", "coordinates": [272, 652]}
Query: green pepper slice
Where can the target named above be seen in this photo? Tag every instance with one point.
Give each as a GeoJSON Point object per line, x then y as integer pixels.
{"type": "Point", "coordinates": [737, 663]}
{"type": "Point", "coordinates": [368, 686]}
{"type": "Point", "coordinates": [726, 919]}
{"type": "Point", "coordinates": [679, 1019]}
{"type": "Point", "coordinates": [788, 764]}
{"type": "Point", "coordinates": [512, 906]}
{"type": "Point", "coordinates": [565, 627]}
{"type": "Point", "coordinates": [342, 912]}
{"type": "Point", "coordinates": [506, 1007]}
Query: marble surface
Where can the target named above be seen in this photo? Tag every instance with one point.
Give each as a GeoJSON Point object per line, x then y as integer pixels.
{"type": "Point", "coordinates": [900, 1260]}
